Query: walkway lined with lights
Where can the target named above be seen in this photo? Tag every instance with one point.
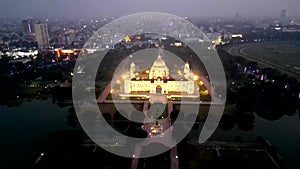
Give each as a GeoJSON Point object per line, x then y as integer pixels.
{"type": "Point", "coordinates": [165, 137]}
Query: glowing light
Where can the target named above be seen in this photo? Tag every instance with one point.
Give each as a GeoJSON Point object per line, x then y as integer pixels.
{"type": "Point", "coordinates": [262, 77]}
{"type": "Point", "coordinates": [218, 41]}
{"type": "Point", "coordinates": [201, 83]}
{"type": "Point", "coordinates": [278, 28]}
{"type": "Point", "coordinates": [177, 44]}
{"type": "Point", "coordinates": [195, 77]}
{"type": "Point", "coordinates": [286, 86]}
{"type": "Point", "coordinates": [237, 36]}
{"type": "Point", "coordinates": [124, 77]}
{"type": "Point", "coordinates": [205, 92]}
{"type": "Point", "coordinates": [127, 39]}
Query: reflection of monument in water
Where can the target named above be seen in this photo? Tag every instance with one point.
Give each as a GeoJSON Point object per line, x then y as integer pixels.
{"type": "Point", "coordinates": [157, 80]}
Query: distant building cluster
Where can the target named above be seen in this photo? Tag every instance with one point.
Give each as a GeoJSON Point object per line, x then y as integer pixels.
{"type": "Point", "coordinates": [67, 34]}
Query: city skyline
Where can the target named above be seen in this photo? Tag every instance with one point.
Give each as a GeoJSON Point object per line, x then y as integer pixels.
{"type": "Point", "coordinates": [93, 8]}
{"type": "Point", "coordinates": [150, 89]}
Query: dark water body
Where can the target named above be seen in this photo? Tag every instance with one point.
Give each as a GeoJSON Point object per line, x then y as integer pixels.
{"type": "Point", "coordinates": [24, 127]}
{"type": "Point", "coordinates": [282, 133]}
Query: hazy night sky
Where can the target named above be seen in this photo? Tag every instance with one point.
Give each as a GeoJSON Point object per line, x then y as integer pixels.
{"type": "Point", "coordinates": [95, 8]}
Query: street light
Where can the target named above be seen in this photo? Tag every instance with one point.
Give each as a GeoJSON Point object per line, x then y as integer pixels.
{"type": "Point", "coordinates": [195, 77]}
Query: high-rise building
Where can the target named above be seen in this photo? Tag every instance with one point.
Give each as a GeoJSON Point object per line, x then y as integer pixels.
{"type": "Point", "coordinates": [283, 13]}
{"type": "Point", "coordinates": [283, 17]}
{"type": "Point", "coordinates": [42, 36]}
{"type": "Point", "coordinates": [28, 26]}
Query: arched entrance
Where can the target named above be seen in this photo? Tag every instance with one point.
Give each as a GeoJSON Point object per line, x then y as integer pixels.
{"type": "Point", "coordinates": [158, 89]}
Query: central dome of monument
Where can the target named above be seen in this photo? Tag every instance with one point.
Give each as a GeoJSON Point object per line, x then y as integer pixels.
{"type": "Point", "coordinates": [159, 63]}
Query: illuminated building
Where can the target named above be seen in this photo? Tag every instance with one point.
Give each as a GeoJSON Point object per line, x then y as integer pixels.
{"type": "Point", "coordinates": [60, 52]}
{"type": "Point", "coordinates": [42, 36]}
{"type": "Point", "coordinates": [157, 80]}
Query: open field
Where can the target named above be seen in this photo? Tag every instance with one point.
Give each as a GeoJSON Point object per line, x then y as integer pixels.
{"type": "Point", "coordinates": [282, 55]}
